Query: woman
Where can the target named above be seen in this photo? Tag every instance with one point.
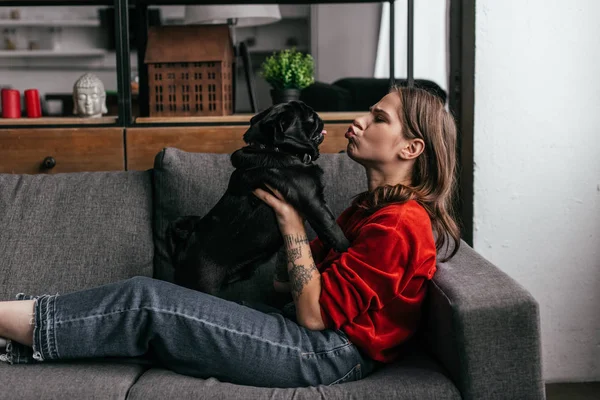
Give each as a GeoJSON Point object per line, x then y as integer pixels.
{"type": "Point", "coordinates": [352, 310]}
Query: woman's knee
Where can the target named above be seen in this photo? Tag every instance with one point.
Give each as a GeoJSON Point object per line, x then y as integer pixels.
{"type": "Point", "coordinates": [139, 281]}
{"type": "Point", "coordinates": [151, 291]}
{"type": "Point", "coordinates": [143, 291]}
{"type": "Point", "coordinates": [141, 285]}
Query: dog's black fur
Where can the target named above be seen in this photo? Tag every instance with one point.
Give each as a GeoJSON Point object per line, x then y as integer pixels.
{"type": "Point", "coordinates": [241, 231]}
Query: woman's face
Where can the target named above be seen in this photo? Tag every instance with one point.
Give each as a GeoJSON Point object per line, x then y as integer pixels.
{"type": "Point", "coordinates": [376, 138]}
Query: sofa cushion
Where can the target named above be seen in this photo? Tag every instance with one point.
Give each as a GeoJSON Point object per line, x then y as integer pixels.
{"type": "Point", "coordinates": [66, 232]}
{"type": "Point", "coordinates": [83, 379]}
{"type": "Point", "coordinates": [192, 183]}
{"type": "Point", "coordinates": [415, 377]}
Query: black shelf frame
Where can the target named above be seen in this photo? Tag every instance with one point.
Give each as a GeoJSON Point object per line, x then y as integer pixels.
{"type": "Point", "coordinates": [122, 8]}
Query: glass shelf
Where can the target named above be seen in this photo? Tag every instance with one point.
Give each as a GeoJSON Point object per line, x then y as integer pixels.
{"type": "Point", "coordinates": [15, 23]}
{"type": "Point", "coordinates": [205, 2]}
{"type": "Point", "coordinates": [43, 121]}
{"type": "Point", "coordinates": [52, 53]}
{"type": "Point", "coordinates": [29, 3]}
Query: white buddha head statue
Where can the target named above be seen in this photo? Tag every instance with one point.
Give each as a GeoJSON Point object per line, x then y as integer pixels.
{"type": "Point", "coordinates": [89, 97]}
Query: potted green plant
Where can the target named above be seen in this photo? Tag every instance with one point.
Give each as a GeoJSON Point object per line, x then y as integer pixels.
{"type": "Point", "coordinates": [288, 72]}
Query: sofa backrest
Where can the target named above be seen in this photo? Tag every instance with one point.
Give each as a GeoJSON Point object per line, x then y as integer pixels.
{"type": "Point", "coordinates": [65, 232]}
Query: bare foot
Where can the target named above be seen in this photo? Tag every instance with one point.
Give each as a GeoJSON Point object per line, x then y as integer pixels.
{"type": "Point", "coordinates": [16, 321]}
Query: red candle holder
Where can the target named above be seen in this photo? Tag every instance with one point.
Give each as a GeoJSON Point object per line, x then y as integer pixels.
{"type": "Point", "coordinates": [11, 103]}
{"type": "Point", "coordinates": [32, 103]}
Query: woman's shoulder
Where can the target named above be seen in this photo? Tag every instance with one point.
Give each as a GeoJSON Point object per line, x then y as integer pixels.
{"type": "Point", "coordinates": [404, 217]}
{"type": "Point", "coordinates": [411, 225]}
{"type": "Point", "coordinates": [410, 212]}
{"type": "Point", "coordinates": [407, 219]}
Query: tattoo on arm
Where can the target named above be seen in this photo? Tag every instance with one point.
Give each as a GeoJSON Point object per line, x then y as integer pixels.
{"type": "Point", "coordinates": [291, 240]}
{"type": "Point", "coordinates": [299, 272]}
{"type": "Point", "coordinates": [294, 253]}
{"type": "Point", "coordinates": [299, 277]}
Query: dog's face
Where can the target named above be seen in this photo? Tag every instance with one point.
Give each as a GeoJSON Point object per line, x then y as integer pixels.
{"type": "Point", "coordinates": [292, 127]}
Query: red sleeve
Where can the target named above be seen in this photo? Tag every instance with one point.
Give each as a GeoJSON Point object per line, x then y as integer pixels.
{"type": "Point", "coordinates": [372, 272]}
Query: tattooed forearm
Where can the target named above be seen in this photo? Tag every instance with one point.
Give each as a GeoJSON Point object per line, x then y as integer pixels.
{"type": "Point", "coordinates": [285, 256]}
{"type": "Point", "coordinates": [304, 278]}
{"type": "Point", "coordinates": [294, 240]}
{"type": "Point", "coordinates": [299, 276]}
{"type": "Point", "coordinates": [294, 253]}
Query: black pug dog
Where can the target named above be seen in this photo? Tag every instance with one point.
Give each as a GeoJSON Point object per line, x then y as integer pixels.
{"type": "Point", "coordinates": [241, 231]}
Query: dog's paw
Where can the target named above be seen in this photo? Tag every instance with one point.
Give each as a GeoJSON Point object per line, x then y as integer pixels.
{"type": "Point", "coordinates": [335, 239]}
{"type": "Point", "coordinates": [181, 228]}
{"type": "Point", "coordinates": [341, 245]}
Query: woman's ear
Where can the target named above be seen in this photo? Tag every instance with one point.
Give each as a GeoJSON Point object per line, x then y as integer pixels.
{"type": "Point", "coordinates": [412, 149]}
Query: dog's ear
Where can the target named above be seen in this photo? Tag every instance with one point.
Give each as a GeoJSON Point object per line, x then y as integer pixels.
{"type": "Point", "coordinates": [284, 123]}
{"type": "Point", "coordinates": [254, 130]}
{"type": "Point", "coordinates": [260, 116]}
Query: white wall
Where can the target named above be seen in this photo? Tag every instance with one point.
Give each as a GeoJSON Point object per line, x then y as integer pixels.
{"type": "Point", "coordinates": [537, 172]}
{"type": "Point", "coordinates": [344, 40]}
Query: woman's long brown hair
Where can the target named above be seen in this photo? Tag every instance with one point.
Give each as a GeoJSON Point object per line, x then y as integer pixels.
{"type": "Point", "coordinates": [422, 115]}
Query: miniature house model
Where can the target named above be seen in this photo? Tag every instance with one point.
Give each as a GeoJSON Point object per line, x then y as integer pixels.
{"type": "Point", "coordinates": [189, 70]}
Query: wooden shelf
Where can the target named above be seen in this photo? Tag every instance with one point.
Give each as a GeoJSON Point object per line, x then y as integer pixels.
{"type": "Point", "coordinates": [29, 3]}
{"type": "Point", "coordinates": [340, 115]}
{"type": "Point", "coordinates": [52, 53]}
{"type": "Point", "coordinates": [144, 142]}
{"type": "Point", "coordinates": [236, 118]}
{"type": "Point", "coordinates": [57, 121]}
{"type": "Point", "coordinates": [16, 23]}
{"type": "Point", "coordinates": [212, 2]}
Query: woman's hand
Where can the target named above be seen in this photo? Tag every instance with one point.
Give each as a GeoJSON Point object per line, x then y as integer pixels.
{"type": "Point", "coordinates": [288, 218]}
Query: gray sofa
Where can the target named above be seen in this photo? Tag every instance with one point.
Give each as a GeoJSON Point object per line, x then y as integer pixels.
{"type": "Point", "coordinates": [60, 233]}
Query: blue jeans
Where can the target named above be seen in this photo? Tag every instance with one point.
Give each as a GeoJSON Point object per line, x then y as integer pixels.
{"type": "Point", "coordinates": [189, 332]}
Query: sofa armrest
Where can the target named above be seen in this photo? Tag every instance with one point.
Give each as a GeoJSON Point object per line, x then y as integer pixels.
{"type": "Point", "coordinates": [484, 329]}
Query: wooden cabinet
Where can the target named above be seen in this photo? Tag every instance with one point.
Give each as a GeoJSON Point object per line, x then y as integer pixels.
{"type": "Point", "coordinates": [33, 151]}
{"type": "Point", "coordinates": [144, 143]}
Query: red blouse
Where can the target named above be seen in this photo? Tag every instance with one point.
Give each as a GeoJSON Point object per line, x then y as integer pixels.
{"type": "Point", "coordinates": [374, 291]}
